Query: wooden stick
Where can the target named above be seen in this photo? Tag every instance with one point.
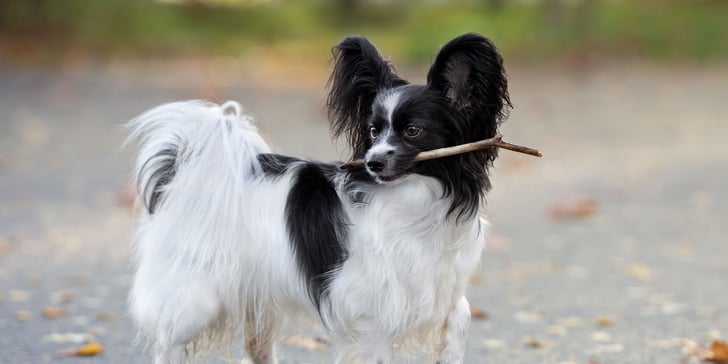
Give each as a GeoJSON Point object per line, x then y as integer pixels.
{"type": "Point", "coordinates": [496, 141]}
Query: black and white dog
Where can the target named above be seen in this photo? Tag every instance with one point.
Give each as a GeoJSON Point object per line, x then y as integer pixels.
{"type": "Point", "coordinates": [236, 239]}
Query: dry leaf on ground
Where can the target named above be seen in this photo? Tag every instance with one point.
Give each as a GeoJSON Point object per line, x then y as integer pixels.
{"type": "Point", "coordinates": [604, 321]}
{"type": "Point", "coordinates": [62, 297]}
{"type": "Point", "coordinates": [19, 296]}
{"type": "Point", "coordinates": [718, 352]}
{"type": "Point", "coordinates": [573, 209]}
{"type": "Point", "coordinates": [639, 271]}
{"type": "Point", "coordinates": [23, 315]}
{"type": "Point", "coordinates": [477, 313]}
{"type": "Point", "coordinates": [8, 244]}
{"type": "Point", "coordinates": [87, 350]}
{"type": "Point", "coordinates": [107, 316]}
{"type": "Point", "coordinates": [54, 311]}
{"type": "Point", "coordinates": [306, 342]}
{"type": "Point", "coordinates": [535, 343]}
{"type": "Point", "coordinates": [476, 278]}
{"type": "Point", "coordinates": [69, 337]}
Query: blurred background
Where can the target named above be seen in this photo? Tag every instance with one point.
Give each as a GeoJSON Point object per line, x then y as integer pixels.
{"type": "Point", "coordinates": [610, 249]}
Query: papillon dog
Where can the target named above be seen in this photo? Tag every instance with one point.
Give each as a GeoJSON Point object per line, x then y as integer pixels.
{"type": "Point", "coordinates": [235, 240]}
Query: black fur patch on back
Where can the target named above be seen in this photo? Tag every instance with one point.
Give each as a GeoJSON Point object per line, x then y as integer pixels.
{"type": "Point", "coordinates": [275, 165]}
{"type": "Point", "coordinates": [317, 226]}
{"type": "Point", "coordinates": [164, 168]}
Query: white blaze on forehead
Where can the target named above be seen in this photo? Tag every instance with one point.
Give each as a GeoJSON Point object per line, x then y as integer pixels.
{"type": "Point", "coordinates": [389, 102]}
{"type": "Point", "coordinates": [381, 144]}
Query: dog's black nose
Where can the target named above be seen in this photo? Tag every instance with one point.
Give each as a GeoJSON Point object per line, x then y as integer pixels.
{"type": "Point", "coordinates": [375, 165]}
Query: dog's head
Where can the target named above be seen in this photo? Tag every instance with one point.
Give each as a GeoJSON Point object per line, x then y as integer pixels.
{"type": "Point", "coordinates": [388, 121]}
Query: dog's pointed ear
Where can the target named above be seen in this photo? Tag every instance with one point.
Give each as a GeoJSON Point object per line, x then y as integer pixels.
{"type": "Point", "coordinates": [359, 73]}
{"type": "Point", "coordinates": [469, 71]}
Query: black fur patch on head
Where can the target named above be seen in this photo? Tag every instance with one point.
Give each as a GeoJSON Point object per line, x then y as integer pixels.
{"type": "Point", "coordinates": [163, 168]}
{"type": "Point", "coordinates": [317, 226]}
{"type": "Point", "coordinates": [359, 74]}
{"type": "Point", "coordinates": [468, 72]}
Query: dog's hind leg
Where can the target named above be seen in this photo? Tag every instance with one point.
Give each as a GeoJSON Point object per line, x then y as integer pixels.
{"type": "Point", "coordinates": [260, 352]}
{"type": "Point", "coordinates": [172, 310]}
{"type": "Point", "coordinates": [456, 331]}
{"type": "Point", "coordinates": [170, 355]}
{"type": "Point", "coordinates": [260, 330]}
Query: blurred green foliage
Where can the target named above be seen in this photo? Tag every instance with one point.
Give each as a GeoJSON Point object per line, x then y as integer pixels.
{"type": "Point", "coordinates": [538, 30]}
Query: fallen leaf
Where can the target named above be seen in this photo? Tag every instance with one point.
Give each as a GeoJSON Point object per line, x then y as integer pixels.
{"type": "Point", "coordinates": [527, 317]}
{"type": "Point", "coordinates": [54, 312]}
{"type": "Point", "coordinates": [639, 271]}
{"type": "Point", "coordinates": [476, 278]}
{"type": "Point", "coordinates": [306, 342]}
{"type": "Point", "coordinates": [573, 209]}
{"type": "Point", "coordinates": [62, 297]}
{"type": "Point", "coordinates": [535, 343]}
{"type": "Point", "coordinates": [718, 352]}
{"type": "Point", "coordinates": [572, 322]}
{"type": "Point", "coordinates": [8, 244]}
{"type": "Point", "coordinates": [557, 330]}
{"type": "Point", "coordinates": [604, 321]}
{"type": "Point", "coordinates": [106, 316]}
{"type": "Point", "coordinates": [601, 336]}
{"type": "Point", "coordinates": [69, 337]}
{"type": "Point", "coordinates": [90, 349]}
{"type": "Point", "coordinates": [477, 313]}
{"type": "Point", "coordinates": [494, 344]}
{"type": "Point", "coordinates": [23, 315]}
{"type": "Point", "coordinates": [19, 296]}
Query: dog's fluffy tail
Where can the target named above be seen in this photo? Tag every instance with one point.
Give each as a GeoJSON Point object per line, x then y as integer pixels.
{"type": "Point", "coordinates": [207, 143]}
{"type": "Point", "coordinates": [196, 165]}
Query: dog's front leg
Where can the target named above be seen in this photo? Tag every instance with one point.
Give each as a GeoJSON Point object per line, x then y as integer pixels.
{"type": "Point", "coordinates": [455, 333]}
{"type": "Point", "coordinates": [366, 350]}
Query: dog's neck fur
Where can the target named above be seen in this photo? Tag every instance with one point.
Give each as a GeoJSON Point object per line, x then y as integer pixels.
{"type": "Point", "coordinates": [406, 262]}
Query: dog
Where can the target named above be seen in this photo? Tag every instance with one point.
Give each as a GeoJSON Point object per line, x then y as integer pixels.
{"type": "Point", "coordinates": [235, 239]}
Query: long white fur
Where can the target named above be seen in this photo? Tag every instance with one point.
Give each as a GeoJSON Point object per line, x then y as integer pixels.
{"type": "Point", "coordinates": [215, 257]}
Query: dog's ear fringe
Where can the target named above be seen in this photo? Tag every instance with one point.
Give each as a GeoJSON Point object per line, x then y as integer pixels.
{"type": "Point", "coordinates": [359, 73]}
{"type": "Point", "coordinates": [470, 73]}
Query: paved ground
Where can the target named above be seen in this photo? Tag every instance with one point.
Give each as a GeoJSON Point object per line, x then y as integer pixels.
{"type": "Point", "coordinates": [639, 150]}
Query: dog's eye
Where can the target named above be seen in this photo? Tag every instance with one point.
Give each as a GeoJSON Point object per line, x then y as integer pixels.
{"type": "Point", "coordinates": [412, 131]}
{"type": "Point", "coordinates": [373, 132]}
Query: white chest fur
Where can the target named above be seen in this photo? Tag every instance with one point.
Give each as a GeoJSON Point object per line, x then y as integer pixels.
{"type": "Point", "coordinates": [408, 264]}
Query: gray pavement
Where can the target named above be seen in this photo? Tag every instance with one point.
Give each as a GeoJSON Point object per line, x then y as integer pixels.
{"type": "Point", "coordinates": [645, 145]}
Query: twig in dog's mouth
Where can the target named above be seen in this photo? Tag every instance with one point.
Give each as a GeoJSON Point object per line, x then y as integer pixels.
{"type": "Point", "coordinates": [496, 141]}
